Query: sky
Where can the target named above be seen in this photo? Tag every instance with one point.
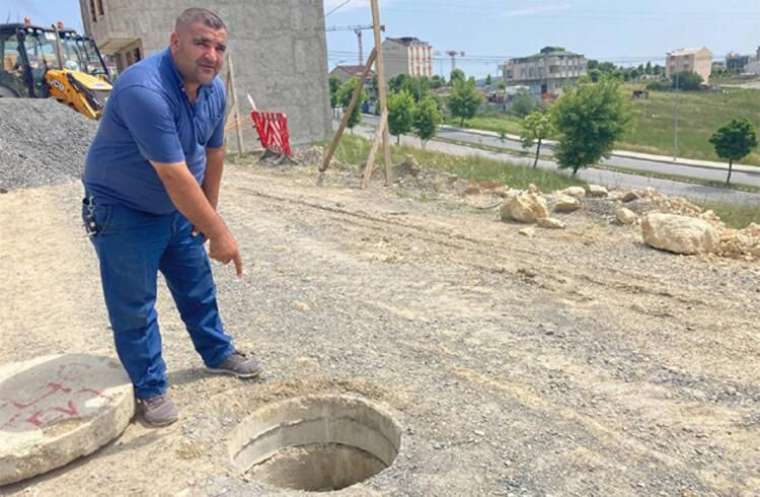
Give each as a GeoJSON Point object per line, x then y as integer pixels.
{"type": "Point", "coordinates": [489, 31]}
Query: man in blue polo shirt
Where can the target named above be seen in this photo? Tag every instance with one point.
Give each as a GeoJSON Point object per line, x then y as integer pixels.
{"type": "Point", "coordinates": [152, 181]}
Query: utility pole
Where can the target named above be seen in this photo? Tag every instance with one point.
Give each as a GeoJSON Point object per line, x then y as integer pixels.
{"type": "Point", "coordinates": [675, 121]}
{"type": "Point", "coordinates": [382, 92]}
{"type": "Point", "coordinates": [453, 54]}
{"type": "Point", "coordinates": [357, 29]}
{"type": "Point", "coordinates": [358, 33]}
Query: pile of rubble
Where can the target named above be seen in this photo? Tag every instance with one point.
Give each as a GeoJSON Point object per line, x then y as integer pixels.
{"type": "Point", "coordinates": [668, 223]}
{"type": "Point", "coordinates": [672, 224]}
{"type": "Point", "coordinates": [409, 174]}
{"type": "Point", "coordinates": [41, 142]}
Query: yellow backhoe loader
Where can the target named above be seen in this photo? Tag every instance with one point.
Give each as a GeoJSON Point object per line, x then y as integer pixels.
{"type": "Point", "coordinates": [53, 63]}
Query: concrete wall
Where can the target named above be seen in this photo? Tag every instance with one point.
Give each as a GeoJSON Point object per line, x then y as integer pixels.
{"type": "Point", "coordinates": [395, 59]}
{"type": "Point", "coordinates": [278, 49]}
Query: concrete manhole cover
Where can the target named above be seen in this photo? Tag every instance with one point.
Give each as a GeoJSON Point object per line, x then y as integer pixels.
{"type": "Point", "coordinates": [315, 443]}
{"type": "Point", "coordinates": [55, 409]}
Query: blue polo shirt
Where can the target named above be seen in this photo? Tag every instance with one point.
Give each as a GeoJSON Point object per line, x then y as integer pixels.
{"type": "Point", "coordinates": [149, 117]}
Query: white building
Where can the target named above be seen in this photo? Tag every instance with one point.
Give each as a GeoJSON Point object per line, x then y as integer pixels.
{"type": "Point", "coordinates": [692, 60]}
{"type": "Point", "coordinates": [546, 72]}
{"type": "Point", "coordinates": [407, 55]}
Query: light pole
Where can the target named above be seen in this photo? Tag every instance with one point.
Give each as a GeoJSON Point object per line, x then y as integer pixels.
{"type": "Point", "coordinates": [675, 122]}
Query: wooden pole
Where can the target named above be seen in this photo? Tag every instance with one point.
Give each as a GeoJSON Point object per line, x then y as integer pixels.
{"type": "Point", "coordinates": [381, 88]}
{"type": "Point", "coordinates": [381, 128]}
{"type": "Point", "coordinates": [235, 107]}
{"type": "Point", "coordinates": [347, 114]}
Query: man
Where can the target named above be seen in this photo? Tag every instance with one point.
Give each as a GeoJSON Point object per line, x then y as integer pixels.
{"type": "Point", "coordinates": [152, 180]}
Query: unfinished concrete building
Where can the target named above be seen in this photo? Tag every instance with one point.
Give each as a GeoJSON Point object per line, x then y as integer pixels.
{"type": "Point", "coordinates": [278, 51]}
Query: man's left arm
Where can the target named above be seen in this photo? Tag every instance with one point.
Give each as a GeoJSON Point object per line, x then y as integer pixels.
{"type": "Point", "coordinates": [213, 178]}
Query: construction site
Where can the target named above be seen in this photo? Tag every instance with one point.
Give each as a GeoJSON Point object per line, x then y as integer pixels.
{"type": "Point", "coordinates": [423, 334]}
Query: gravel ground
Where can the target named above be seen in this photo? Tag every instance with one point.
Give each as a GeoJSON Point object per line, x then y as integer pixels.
{"type": "Point", "coordinates": [575, 363]}
{"type": "Point", "coordinates": [41, 142]}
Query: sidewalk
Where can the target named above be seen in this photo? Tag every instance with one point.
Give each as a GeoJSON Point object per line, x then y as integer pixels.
{"type": "Point", "coordinates": [745, 168]}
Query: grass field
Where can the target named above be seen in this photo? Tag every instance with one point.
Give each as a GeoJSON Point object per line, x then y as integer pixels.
{"type": "Point", "coordinates": [492, 122]}
{"type": "Point", "coordinates": [700, 115]}
{"type": "Point", "coordinates": [354, 150]}
{"type": "Point", "coordinates": [734, 215]}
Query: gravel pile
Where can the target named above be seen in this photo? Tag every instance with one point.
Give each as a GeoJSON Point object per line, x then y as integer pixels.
{"type": "Point", "coordinates": [41, 142]}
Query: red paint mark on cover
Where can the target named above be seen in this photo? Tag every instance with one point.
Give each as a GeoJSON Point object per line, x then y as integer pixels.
{"type": "Point", "coordinates": [53, 388]}
{"type": "Point", "coordinates": [70, 409]}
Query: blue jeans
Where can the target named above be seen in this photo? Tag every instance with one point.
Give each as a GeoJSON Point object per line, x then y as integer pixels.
{"type": "Point", "coordinates": [132, 247]}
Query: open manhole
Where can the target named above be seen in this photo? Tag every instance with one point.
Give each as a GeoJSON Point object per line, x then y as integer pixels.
{"type": "Point", "coordinates": [316, 444]}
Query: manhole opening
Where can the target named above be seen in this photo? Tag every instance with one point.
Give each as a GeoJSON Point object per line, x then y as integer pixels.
{"type": "Point", "coordinates": [316, 444]}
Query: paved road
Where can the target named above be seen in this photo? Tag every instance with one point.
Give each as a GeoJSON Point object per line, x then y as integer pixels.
{"type": "Point", "coordinates": [591, 175]}
{"type": "Point", "coordinates": [665, 166]}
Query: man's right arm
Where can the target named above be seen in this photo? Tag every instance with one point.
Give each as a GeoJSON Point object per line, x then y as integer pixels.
{"type": "Point", "coordinates": [188, 197]}
{"type": "Point", "coordinates": [148, 116]}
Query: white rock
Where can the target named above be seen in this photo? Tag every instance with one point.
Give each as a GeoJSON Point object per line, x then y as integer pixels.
{"type": "Point", "coordinates": [551, 223]}
{"type": "Point", "coordinates": [679, 234]}
{"type": "Point", "coordinates": [564, 203]}
{"type": "Point", "coordinates": [524, 208]}
{"type": "Point", "coordinates": [597, 191]}
{"type": "Point", "coordinates": [530, 232]}
{"type": "Point", "coordinates": [625, 216]}
{"type": "Point", "coordinates": [574, 191]}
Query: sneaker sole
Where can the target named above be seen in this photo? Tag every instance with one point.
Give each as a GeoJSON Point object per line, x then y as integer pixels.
{"type": "Point", "coordinates": [159, 424]}
{"type": "Point", "coordinates": [232, 373]}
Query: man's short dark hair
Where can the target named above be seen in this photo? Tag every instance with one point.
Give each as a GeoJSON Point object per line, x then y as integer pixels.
{"type": "Point", "coordinates": [195, 14]}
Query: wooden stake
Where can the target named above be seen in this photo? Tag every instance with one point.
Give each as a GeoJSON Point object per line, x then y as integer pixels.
{"type": "Point", "coordinates": [235, 107]}
{"type": "Point", "coordinates": [381, 128]}
{"type": "Point", "coordinates": [381, 88]}
{"type": "Point", "coordinates": [347, 113]}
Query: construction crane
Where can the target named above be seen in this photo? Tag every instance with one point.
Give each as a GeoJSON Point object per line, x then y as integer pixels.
{"type": "Point", "coordinates": [357, 29]}
{"type": "Point", "coordinates": [453, 54]}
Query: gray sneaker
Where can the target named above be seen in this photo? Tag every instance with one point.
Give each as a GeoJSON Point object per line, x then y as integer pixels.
{"type": "Point", "coordinates": [158, 410]}
{"type": "Point", "coordinates": [240, 365]}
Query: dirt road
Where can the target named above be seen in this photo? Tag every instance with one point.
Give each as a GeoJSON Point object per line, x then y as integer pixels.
{"type": "Point", "coordinates": [575, 363]}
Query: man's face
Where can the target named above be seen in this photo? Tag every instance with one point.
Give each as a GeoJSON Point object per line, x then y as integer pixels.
{"type": "Point", "coordinates": [198, 51]}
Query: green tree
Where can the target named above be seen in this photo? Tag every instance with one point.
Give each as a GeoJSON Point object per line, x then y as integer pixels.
{"type": "Point", "coordinates": [398, 82]}
{"type": "Point", "coordinates": [589, 119]}
{"type": "Point", "coordinates": [594, 75]}
{"type": "Point", "coordinates": [437, 82]}
{"type": "Point", "coordinates": [427, 118]}
{"type": "Point", "coordinates": [418, 88]}
{"type": "Point", "coordinates": [536, 127]}
{"type": "Point", "coordinates": [344, 98]}
{"type": "Point", "coordinates": [456, 75]}
{"type": "Point", "coordinates": [334, 87]}
{"type": "Point", "coordinates": [734, 141]}
{"type": "Point", "coordinates": [686, 81]}
{"type": "Point", "coordinates": [464, 100]}
{"type": "Point", "coordinates": [523, 103]}
{"type": "Point", "coordinates": [489, 81]}
{"type": "Point", "coordinates": [400, 114]}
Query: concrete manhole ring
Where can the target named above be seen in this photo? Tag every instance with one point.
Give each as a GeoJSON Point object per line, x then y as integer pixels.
{"type": "Point", "coordinates": [57, 408]}
{"type": "Point", "coordinates": [315, 443]}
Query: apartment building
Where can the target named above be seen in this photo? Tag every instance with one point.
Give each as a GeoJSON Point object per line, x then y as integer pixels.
{"type": "Point", "coordinates": [546, 72]}
{"type": "Point", "coordinates": [736, 62]}
{"type": "Point", "coordinates": [407, 55]}
{"type": "Point", "coordinates": [692, 60]}
{"type": "Point", "coordinates": [279, 51]}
